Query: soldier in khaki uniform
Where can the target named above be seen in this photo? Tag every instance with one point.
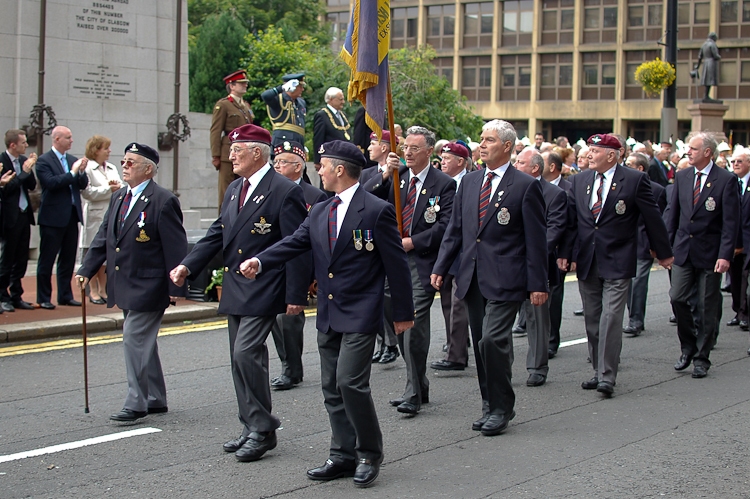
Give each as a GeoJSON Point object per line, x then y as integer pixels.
{"type": "Point", "coordinates": [229, 113]}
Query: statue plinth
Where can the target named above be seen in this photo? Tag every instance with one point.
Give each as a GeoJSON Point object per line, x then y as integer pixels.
{"type": "Point", "coordinates": [708, 117]}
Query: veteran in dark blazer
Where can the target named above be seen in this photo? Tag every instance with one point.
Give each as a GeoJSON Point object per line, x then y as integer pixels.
{"type": "Point", "coordinates": [426, 202]}
{"type": "Point", "coordinates": [355, 245]}
{"type": "Point", "coordinates": [62, 178]}
{"type": "Point", "coordinates": [142, 239]}
{"type": "Point", "coordinates": [607, 201]}
{"type": "Point", "coordinates": [259, 209]}
{"type": "Point", "coordinates": [17, 217]}
{"type": "Point", "coordinates": [703, 223]}
{"type": "Point", "coordinates": [498, 221]}
{"type": "Point", "coordinates": [738, 269]}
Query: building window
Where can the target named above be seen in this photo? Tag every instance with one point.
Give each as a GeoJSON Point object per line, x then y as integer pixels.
{"type": "Point", "coordinates": [476, 78]}
{"type": "Point", "coordinates": [734, 73]}
{"type": "Point", "coordinates": [692, 20]}
{"type": "Point", "coordinates": [518, 23]}
{"type": "Point", "coordinates": [441, 26]}
{"type": "Point", "coordinates": [645, 20]}
{"type": "Point", "coordinates": [478, 22]}
{"type": "Point", "coordinates": [556, 77]}
{"type": "Point", "coordinates": [633, 59]}
{"type": "Point", "coordinates": [558, 19]}
{"type": "Point", "coordinates": [515, 78]}
{"type": "Point", "coordinates": [339, 24]}
{"type": "Point", "coordinates": [404, 27]}
{"type": "Point", "coordinates": [598, 76]}
{"type": "Point", "coordinates": [734, 19]}
{"type": "Point", "coordinates": [444, 67]}
{"type": "Point", "coordinates": [686, 86]}
{"type": "Point", "coordinates": [600, 21]}
{"type": "Point", "coordinates": [338, 3]}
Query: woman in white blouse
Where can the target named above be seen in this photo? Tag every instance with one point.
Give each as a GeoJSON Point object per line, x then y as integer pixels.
{"type": "Point", "coordinates": [103, 181]}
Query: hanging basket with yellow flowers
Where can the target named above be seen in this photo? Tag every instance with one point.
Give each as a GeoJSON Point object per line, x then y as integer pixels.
{"type": "Point", "coordinates": [654, 76]}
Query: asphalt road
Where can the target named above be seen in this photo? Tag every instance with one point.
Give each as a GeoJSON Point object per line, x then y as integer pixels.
{"type": "Point", "coordinates": [662, 434]}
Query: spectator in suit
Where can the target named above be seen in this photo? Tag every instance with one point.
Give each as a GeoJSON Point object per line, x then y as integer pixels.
{"type": "Point", "coordinates": [738, 268]}
{"type": "Point", "coordinates": [142, 238]}
{"type": "Point", "coordinates": [17, 218]}
{"type": "Point", "coordinates": [330, 123]}
{"type": "Point", "coordinates": [62, 177]}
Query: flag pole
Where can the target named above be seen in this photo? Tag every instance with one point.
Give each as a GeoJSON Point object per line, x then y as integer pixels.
{"type": "Point", "coordinates": [394, 173]}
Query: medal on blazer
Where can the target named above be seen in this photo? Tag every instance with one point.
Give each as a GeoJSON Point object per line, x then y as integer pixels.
{"type": "Point", "coordinates": [710, 204]}
{"type": "Point", "coordinates": [503, 216]}
{"type": "Point", "coordinates": [369, 246]}
{"type": "Point", "coordinates": [620, 207]}
{"type": "Point", "coordinates": [430, 214]}
{"type": "Point", "coordinates": [142, 237]}
{"type": "Point", "coordinates": [499, 198]}
{"type": "Point", "coordinates": [357, 236]}
{"type": "Point", "coordinates": [262, 227]}
{"type": "Point", "coordinates": [142, 221]}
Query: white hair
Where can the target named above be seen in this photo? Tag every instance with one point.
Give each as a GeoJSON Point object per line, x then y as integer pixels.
{"type": "Point", "coordinates": [503, 129]}
{"type": "Point", "coordinates": [332, 92]}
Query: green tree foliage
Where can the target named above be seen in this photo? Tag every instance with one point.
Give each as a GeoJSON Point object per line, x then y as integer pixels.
{"type": "Point", "coordinates": [215, 53]}
{"type": "Point", "coordinates": [420, 97]}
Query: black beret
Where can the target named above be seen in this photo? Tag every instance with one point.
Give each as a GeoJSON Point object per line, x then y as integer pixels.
{"type": "Point", "coordinates": [341, 149]}
{"type": "Point", "coordinates": [143, 150]}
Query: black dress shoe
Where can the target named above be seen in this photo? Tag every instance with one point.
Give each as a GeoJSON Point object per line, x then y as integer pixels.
{"type": "Point", "coordinates": [734, 322]}
{"type": "Point", "coordinates": [635, 331]}
{"type": "Point", "coordinates": [23, 305]}
{"type": "Point", "coordinates": [377, 355]}
{"type": "Point", "coordinates": [496, 424]}
{"type": "Point", "coordinates": [7, 307]}
{"type": "Point", "coordinates": [590, 384]}
{"type": "Point", "coordinates": [367, 471]}
{"type": "Point", "coordinates": [551, 353]}
{"type": "Point", "coordinates": [256, 445]}
{"type": "Point", "coordinates": [683, 363]}
{"type": "Point", "coordinates": [699, 372]}
{"type": "Point", "coordinates": [330, 471]}
{"type": "Point", "coordinates": [47, 305]}
{"type": "Point", "coordinates": [518, 331]}
{"type": "Point", "coordinates": [672, 319]}
{"type": "Point", "coordinates": [234, 445]}
{"type": "Point", "coordinates": [407, 408]}
{"type": "Point", "coordinates": [98, 301]}
{"type": "Point", "coordinates": [447, 365]}
{"type": "Point", "coordinates": [70, 303]}
{"type": "Point", "coordinates": [536, 379]}
{"type": "Point", "coordinates": [606, 388]}
{"type": "Point", "coordinates": [477, 425]}
{"type": "Point", "coordinates": [389, 355]}
{"type": "Point", "coordinates": [396, 402]}
{"type": "Point", "coordinates": [127, 415]}
{"type": "Point", "coordinates": [158, 410]}
{"type": "Point", "coordinates": [284, 382]}
{"type": "Point", "coordinates": [578, 312]}
{"type": "Point", "coordinates": [744, 326]}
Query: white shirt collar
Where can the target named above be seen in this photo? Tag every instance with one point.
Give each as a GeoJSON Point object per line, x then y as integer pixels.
{"type": "Point", "coordinates": [256, 177]}
{"type": "Point", "coordinates": [138, 189]}
{"type": "Point", "coordinates": [421, 175]}
{"type": "Point", "coordinates": [333, 109]}
{"type": "Point", "coordinates": [347, 194]}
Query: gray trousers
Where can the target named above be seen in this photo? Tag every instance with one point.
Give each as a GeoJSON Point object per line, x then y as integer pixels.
{"type": "Point", "coordinates": [491, 324]}
{"type": "Point", "coordinates": [289, 339]}
{"type": "Point", "coordinates": [556, 294]}
{"type": "Point", "coordinates": [537, 332]}
{"type": "Point", "coordinates": [639, 293]}
{"type": "Point", "coordinates": [697, 336]}
{"type": "Point", "coordinates": [456, 322]}
{"type": "Point", "coordinates": [146, 387]}
{"type": "Point", "coordinates": [415, 341]}
{"type": "Point", "coordinates": [604, 303]}
{"type": "Point", "coordinates": [345, 365]}
{"type": "Point", "coordinates": [387, 337]}
{"type": "Point", "coordinates": [249, 360]}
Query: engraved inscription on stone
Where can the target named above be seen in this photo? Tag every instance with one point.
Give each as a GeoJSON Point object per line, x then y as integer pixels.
{"type": "Point", "coordinates": [103, 20]}
{"type": "Point", "coordinates": [101, 82]}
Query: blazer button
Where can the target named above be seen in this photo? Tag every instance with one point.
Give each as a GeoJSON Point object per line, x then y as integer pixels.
{"type": "Point", "coordinates": [239, 251]}
{"type": "Point", "coordinates": [118, 268]}
{"type": "Point", "coordinates": [226, 269]}
{"type": "Point", "coordinates": [237, 272]}
{"type": "Point", "coordinates": [330, 297]}
{"type": "Point", "coordinates": [117, 250]}
{"type": "Point", "coordinates": [252, 231]}
{"type": "Point", "coordinates": [330, 276]}
{"type": "Point", "coordinates": [691, 236]}
{"type": "Point", "coordinates": [479, 240]}
{"type": "Point", "coordinates": [222, 226]}
{"type": "Point", "coordinates": [596, 228]}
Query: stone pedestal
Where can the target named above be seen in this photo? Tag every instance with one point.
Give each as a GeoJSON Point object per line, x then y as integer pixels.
{"type": "Point", "coordinates": [708, 117]}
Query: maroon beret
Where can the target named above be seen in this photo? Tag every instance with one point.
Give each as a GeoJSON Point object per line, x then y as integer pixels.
{"type": "Point", "coordinates": [250, 133]}
{"type": "Point", "coordinates": [604, 140]}
{"type": "Point", "coordinates": [456, 149]}
{"type": "Point", "coordinates": [292, 147]}
{"type": "Point", "coordinates": [385, 138]}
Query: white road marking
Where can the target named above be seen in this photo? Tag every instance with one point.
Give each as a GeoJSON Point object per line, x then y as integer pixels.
{"type": "Point", "coordinates": [573, 342]}
{"type": "Point", "coordinates": [80, 443]}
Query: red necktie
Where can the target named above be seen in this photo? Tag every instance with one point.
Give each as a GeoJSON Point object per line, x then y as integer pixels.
{"type": "Point", "coordinates": [697, 188]}
{"type": "Point", "coordinates": [243, 193]}
{"type": "Point", "coordinates": [407, 214]}
{"type": "Point", "coordinates": [332, 236]}
{"type": "Point", "coordinates": [124, 210]}
{"type": "Point", "coordinates": [484, 197]}
{"type": "Point", "coordinates": [597, 208]}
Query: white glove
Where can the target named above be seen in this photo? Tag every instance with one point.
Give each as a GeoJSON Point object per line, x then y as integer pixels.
{"type": "Point", "coordinates": [290, 86]}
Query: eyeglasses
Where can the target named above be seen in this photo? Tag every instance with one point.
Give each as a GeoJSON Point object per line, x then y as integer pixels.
{"type": "Point", "coordinates": [283, 162]}
{"type": "Point", "coordinates": [128, 162]}
{"type": "Point", "coordinates": [414, 149]}
{"type": "Point", "coordinates": [236, 150]}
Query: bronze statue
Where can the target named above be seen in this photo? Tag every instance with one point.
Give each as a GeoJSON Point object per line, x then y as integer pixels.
{"type": "Point", "coordinates": [709, 77]}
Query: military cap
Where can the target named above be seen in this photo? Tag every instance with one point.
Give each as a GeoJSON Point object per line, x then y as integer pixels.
{"type": "Point", "coordinates": [386, 137]}
{"type": "Point", "coordinates": [240, 75]}
{"type": "Point", "coordinates": [604, 140]}
{"type": "Point", "coordinates": [292, 76]}
{"type": "Point", "coordinates": [456, 149]}
{"type": "Point", "coordinates": [250, 133]}
{"type": "Point", "coordinates": [341, 149]}
{"type": "Point", "coordinates": [292, 147]}
{"type": "Point", "coordinates": [143, 150]}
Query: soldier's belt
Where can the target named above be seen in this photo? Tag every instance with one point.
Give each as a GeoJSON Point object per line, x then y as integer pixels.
{"type": "Point", "coordinates": [292, 128]}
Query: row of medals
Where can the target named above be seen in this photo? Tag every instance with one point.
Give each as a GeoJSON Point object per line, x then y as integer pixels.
{"type": "Point", "coordinates": [368, 244]}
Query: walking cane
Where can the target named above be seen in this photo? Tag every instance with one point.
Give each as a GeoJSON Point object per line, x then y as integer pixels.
{"type": "Point", "coordinates": [85, 350]}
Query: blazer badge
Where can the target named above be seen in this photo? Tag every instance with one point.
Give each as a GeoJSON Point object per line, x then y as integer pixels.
{"type": "Point", "coordinates": [620, 207]}
{"type": "Point", "coordinates": [262, 227]}
{"type": "Point", "coordinates": [503, 216]}
{"type": "Point", "coordinates": [142, 237]}
{"type": "Point", "coordinates": [710, 204]}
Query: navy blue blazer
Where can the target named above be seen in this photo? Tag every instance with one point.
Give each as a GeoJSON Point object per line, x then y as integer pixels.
{"type": "Point", "coordinates": [57, 186]}
{"type": "Point", "coordinates": [612, 239]}
{"type": "Point", "coordinates": [13, 190]}
{"type": "Point", "coordinates": [139, 258]}
{"type": "Point", "coordinates": [274, 210]}
{"type": "Point", "coordinates": [351, 282]}
{"type": "Point", "coordinates": [312, 194]}
{"type": "Point", "coordinates": [644, 245]}
{"type": "Point", "coordinates": [707, 231]}
{"type": "Point", "coordinates": [744, 232]}
{"type": "Point", "coordinates": [556, 216]}
{"type": "Point", "coordinates": [426, 236]}
{"type": "Point", "coordinates": [509, 259]}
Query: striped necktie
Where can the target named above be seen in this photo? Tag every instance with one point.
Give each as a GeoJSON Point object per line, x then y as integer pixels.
{"type": "Point", "coordinates": [124, 211]}
{"type": "Point", "coordinates": [407, 214]}
{"type": "Point", "coordinates": [597, 208]}
{"type": "Point", "coordinates": [484, 197]}
{"type": "Point", "coordinates": [332, 232]}
{"type": "Point", "coordinates": [697, 188]}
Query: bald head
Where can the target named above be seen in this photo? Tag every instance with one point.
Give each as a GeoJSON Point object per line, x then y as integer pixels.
{"type": "Point", "coordinates": [62, 138]}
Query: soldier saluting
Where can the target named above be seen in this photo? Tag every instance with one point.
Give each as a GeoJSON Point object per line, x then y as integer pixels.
{"type": "Point", "coordinates": [286, 109]}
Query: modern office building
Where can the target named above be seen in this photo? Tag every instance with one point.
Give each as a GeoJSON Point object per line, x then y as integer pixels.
{"type": "Point", "coordinates": [566, 67]}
